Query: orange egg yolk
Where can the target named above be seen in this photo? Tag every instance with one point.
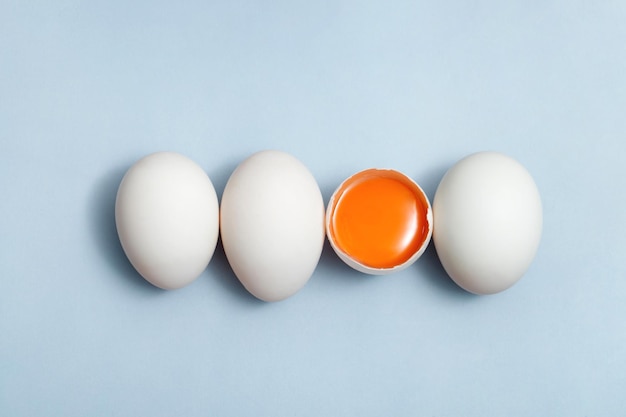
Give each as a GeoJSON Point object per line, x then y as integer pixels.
{"type": "Point", "coordinates": [379, 218]}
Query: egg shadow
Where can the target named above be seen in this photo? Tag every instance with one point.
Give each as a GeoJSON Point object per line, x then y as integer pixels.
{"type": "Point", "coordinates": [220, 269]}
{"type": "Point", "coordinates": [430, 269]}
{"type": "Point", "coordinates": [219, 175]}
{"type": "Point", "coordinates": [101, 209]}
{"type": "Point", "coordinates": [327, 189]}
{"type": "Point", "coordinates": [331, 266]}
{"type": "Point", "coordinates": [429, 180]}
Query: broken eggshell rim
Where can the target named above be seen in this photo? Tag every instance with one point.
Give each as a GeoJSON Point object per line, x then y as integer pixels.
{"type": "Point", "coordinates": [381, 173]}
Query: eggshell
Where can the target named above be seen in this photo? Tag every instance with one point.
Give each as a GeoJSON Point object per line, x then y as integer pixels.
{"type": "Point", "coordinates": [272, 224]}
{"type": "Point", "coordinates": [487, 222]}
{"type": "Point", "coordinates": [167, 218]}
{"type": "Point", "coordinates": [395, 231]}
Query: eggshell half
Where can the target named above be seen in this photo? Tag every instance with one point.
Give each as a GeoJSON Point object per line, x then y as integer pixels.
{"type": "Point", "coordinates": [386, 228]}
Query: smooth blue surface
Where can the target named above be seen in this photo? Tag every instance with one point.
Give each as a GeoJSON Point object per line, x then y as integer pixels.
{"type": "Point", "coordinates": [88, 87]}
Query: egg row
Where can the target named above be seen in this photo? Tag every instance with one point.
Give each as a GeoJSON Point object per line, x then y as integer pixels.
{"type": "Point", "coordinates": [486, 221]}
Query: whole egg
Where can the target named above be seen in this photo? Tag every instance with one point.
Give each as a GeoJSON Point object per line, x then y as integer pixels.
{"type": "Point", "coordinates": [272, 224]}
{"type": "Point", "coordinates": [167, 218]}
{"type": "Point", "coordinates": [487, 222]}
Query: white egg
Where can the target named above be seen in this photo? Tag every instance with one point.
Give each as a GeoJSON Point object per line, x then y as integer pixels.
{"type": "Point", "coordinates": [272, 224]}
{"type": "Point", "coordinates": [167, 218]}
{"type": "Point", "coordinates": [487, 222]}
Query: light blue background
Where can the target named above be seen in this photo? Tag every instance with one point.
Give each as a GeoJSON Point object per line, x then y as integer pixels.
{"type": "Point", "coordinates": [88, 87]}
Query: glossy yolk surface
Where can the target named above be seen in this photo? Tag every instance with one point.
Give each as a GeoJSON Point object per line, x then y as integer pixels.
{"type": "Point", "coordinates": [379, 221]}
